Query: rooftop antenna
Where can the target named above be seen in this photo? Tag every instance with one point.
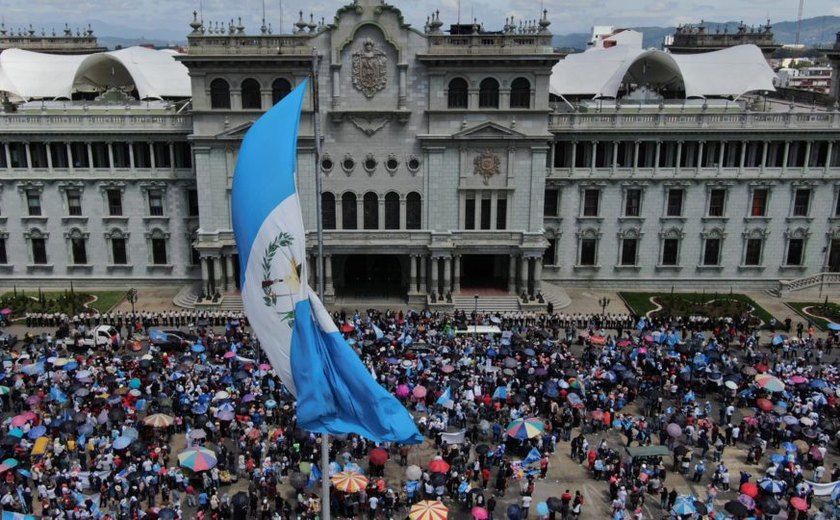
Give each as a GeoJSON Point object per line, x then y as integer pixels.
{"type": "Point", "coordinates": [280, 27]}
{"type": "Point", "coordinates": [459, 12]}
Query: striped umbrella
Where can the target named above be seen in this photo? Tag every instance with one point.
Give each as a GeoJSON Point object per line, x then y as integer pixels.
{"type": "Point", "coordinates": [159, 420]}
{"type": "Point", "coordinates": [349, 481]}
{"type": "Point", "coordinates": [197, 459]}
{"type": "Point", "coordinates": [769, 383]}
{"type": "Point", "coordinates": [428, 510]}
{"type": "Point", "coordinates": [684, 506]}
{"type": "Point", "coordinates": [525, 428]}
{"type": "Point", "coordinates": [771, 486]}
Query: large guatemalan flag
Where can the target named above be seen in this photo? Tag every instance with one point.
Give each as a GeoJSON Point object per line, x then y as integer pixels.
{"type": "Point", "coordinates": [335, 392]}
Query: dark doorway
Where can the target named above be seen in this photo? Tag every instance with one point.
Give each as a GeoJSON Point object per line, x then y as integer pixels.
{"type": "Point", "coordinates": [236, 272]}
{"type": "Point", "coordinates": [484, 271]}
{"type": "Point", "coordinates": [372, 276]}
{"type": "Point", "coordinates": [834, 257]}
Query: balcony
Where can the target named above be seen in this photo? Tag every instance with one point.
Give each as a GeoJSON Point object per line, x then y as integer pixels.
{"type": "Point", "coordinates": [118, 121]}
{"type": "Point", "coordinates": [634, 119]}
{"type": "Point", "coordinates": [488, 45]}
{"type": "Point", "coordinates": [242, 45]}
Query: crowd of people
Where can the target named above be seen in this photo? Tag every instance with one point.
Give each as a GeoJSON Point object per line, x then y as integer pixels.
{"type": "Point", "coordinates": [210, 432]}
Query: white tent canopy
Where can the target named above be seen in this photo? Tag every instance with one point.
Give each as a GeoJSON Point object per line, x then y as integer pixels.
{"type": "Point", "coordinates": [155, 74]}
{"type": "Point", "coordinates": [601, 72]}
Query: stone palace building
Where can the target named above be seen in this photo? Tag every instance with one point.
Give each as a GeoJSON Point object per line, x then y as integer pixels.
{"type": "Point", "coordinates": [446, 163]}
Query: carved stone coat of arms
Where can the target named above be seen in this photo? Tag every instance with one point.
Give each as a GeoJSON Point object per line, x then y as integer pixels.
{"type": "Point", "coordinates": [369, 69]}
{"type": "Point", "coordinates": [486, 164]}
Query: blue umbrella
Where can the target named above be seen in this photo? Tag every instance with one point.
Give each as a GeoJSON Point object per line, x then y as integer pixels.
{"type": "Point", "coordinates": [772, 486]}
{"type": "Point", "coordinates": [134, 383]}
{"type": "Point", "coordinates": [36, 432]}
{"type": "Point", "coordinates": [122, 443]}
{"type": "Point", "coordinates": [778, 340]}
{"type": "Point", "coordinates": [24, 472]}
{"type": "Point", "coordinates": [271, 403]}
{"type": "Point", "coordinates": [789, 447]}
{"type": "Point", "coordinates": [197, 348]}
{"type": "Point", "coordinates": [16, 432]}
{"type": "Point", "coordinates": [542, 509]}
{"type": "Point", "coordinates": [71, 366]}
{"type": "Point", "coordinates": [777, 458]}
{"type": "Point", "coordinates": [833, 326]}
{"type": "Point", "coordinates": [199, 408]}
{"type": "Point", "coordinates": [684, 506]}
{"type": "Point", "coordinates": [818, 383]}
{"type": "Point", "coordinates": [514, 512]}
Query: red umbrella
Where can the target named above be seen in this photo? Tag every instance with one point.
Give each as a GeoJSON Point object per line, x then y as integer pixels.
{"type": "Point", "coordinates": [438, 466]}
{"type": "Point", "coordinates": [625, 343]}
{"type": "Point", "coordinates": [799, 503]}
{"type": "Point", "coordinates": [750, 489]}
{"type": "Point", "coordinates": [347, 328]}
{"type": "Point", "coordinates": [378, 456]}
{"type": "Point", "coordinates": [764, 404]}
{"type": "Point", "coordinates": [598, 340]}
{"type": "Point", "coordinates": [419, 392]}
{"type": "Point", "coordinates": [597, 415]}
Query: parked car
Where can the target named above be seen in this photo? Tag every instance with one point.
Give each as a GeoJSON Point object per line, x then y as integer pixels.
{"type": "Point", "coordinates": [99, 336]}
{"type": "Point", "coordinates": [171, 339]}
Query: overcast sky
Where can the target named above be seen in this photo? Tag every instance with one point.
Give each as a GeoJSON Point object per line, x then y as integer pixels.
{"type": "Point", "coordinates": [169, 19]}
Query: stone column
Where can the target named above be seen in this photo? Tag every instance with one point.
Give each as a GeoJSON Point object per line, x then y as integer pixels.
{"type": "Point", "coordinates": [656, 156]}
{"type": "Point", "coordinates": [462, 210]}
{"type": "Point", "coordinates": [110, 155]}
{"type": "Point", "coordinates": [828, 153]}
{"type": "Point", "coordinates": [805, 166]}
{"type": "Point", "coordinates": [538, 264]}
{"type": "Point", "coordinates": [700, 146]}
{"type": "Point", "coordinates": [339, 213]}
{"type": "Point", "coordinates": [70, 164]}
{"type": "Point", "coordinates": [721, 156]}
{"type": "Point", "coordinates": [205, 275]}
{"type": "Point", "coordinates": [402, 84]}
{"type": "Point", "coordinates": [360, 212]}
{"type": "Point", "coordinates": [636, 155]}
{"type": "Point", "coordinates": [614, 164]}
{"type": "Point", "coordinates": [494, 200]}
{"type": "Point", "coordinates": [28, 155]}
{"type": "Point", "coordinates": [381, 214]}
{"type": "Point", "coordinates": [456, 278]}
{"type": "Point", "coordinates": [523, 271]}
{"type": "Point", "coordinates": [764, 148]}
{"type": "Point", "coordinates": [403, 224]}
{"type": "Point", "coordinates": [152, 161]}
{"type": "Point", "coordinates": [7, 155]}
{"type": "Point", "coordinates": [785, 156]}
{"type": "Point", "coordinates": [131, 155]}
{"type": "Point", "coordinates": [412, 281]}
{"type": "Point", "coordinates": [229, 272]}
{"type": "Point", "coordinates": [679, 156]}
{"type": "Point", "coordinates": [447, 274]}
{"type": "Point", "coordinates": [594, 155]}
{"type": "Point", "coordinates": [217, 273]}
{"type": "Point", "coordinates": [90, 156]}
{"type": "Point", "coordinates": [743, 158]}
{"type": "Point", "coordinates": [328, 276]}
{"type": "Point", "coordinates": [424, 284]}
{"type": "Point", "coordinates": [435, 289]}
{"type": "Point", "coordinates": [574, 156]}
{"type": "Point", "coordinates": [512, 274]}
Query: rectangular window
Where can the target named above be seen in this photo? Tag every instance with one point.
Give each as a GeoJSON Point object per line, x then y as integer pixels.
{"type": "Point", "coordinates": [33, 202]}
{"type": "Point", "coordinates": [551, 206]}
{"type": "Point", "coordinates": [486, 203]}
{"type": "Point", "coordinates": [192, 203]}
{"type": "Point", "coordinates": [801, 202]}
{"type": "Point", "coordinates": [550, 254]}
{"type": "Point", "coordinates": [162, 157]}
{"type": "Point", "coordinates": [711, 253]}
{"type": "Point", "coordinates": [101, 159]}
{"type": "Point", "coordinates": [58, 154]}
{"type": "Point", "coordinates": [670, 251]}
{"type": "Point", "coordinates": [74, 203]}
{"type": "Point", "coordinates": [752, 255]}
{"type": "Point", "coordinates": [837, 207]}
{"type": "Point", "coordinates": [501, 213]}
{"type": "Point", "coordinates": [39, 251]}
{"type": "Point", "coordinates": [17, 155]}
{"type": "Point", "coordinates": [469, 212]}
{"type": "Point", "coordinates": [79, 251]}
{"type": "Point", "coordinates": [155, 203]}
{"type": "Point", "coordinates": [118, 250]}
{"type": "Point", "coordinates": [632, 203]}
{"type": "Point", "coordinates": [3, 258]}
{"type": "Point", "coordinates": [142, 155]}
{"type": "Point", "coordinates": [3, 156]}
{"type": "Point", "coordinates": [79, 152]}
{"type": "Point", "coordinates": [115, 203]}
{"type": "Point", "coordinates": [121, 155]}
{"type": "Point", "coordinates": [38, 153]}
{"type": "Point", "coordinates": [591, 198]}
{"type": "Point", "coordinates": [629, 247]}
{"type": "Point", "coordinates": [675, 203]}
{"type": "Point", "coordinates": [717, 200]}
{"type": "Point", "coordinates": [588, 251]}
{"type": "Point", "coordinates": [796, 247]}
{"type": "Point", "coordinates": [159, 251]}
{"type": "Point", "coordinates": [195, 256]}
{"type": "Point", "coordinates": [183, 155]}
{"type": "Point", "coordinates": [759, 203]}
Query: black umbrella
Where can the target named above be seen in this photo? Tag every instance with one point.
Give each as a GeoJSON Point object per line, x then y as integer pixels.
{"type": "Point", "coordinates": [769, 505]}
{"type": "Point", "coordinates": [167, 514]}
{"type": "Point", "coordinates": [680, 450]}
{"type": "Point", "coordinates": [116, 414]}
{"type": "Point", "coordinates": [298, 480]}
{"type": "Point", "coordinates": [9, 441]}
{"type": "Point", "coordinates": [700, 507]}
{"type": "Point", "coordinates": [554, 504]}
{"type": "Point", "coordinates": [482, 449]}
{"type": "Point", "coordinates": [736, 508]}
{"type": "Point", "coordinates": [240, 499]}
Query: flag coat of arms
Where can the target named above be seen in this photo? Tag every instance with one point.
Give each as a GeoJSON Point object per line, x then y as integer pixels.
{"type": "Point", "coordinates": [334, 390]}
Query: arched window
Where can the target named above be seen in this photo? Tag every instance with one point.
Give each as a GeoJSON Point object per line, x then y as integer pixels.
{"type": "Point", "coordinates": [413, 211]}
{"type": "Point", "coordinates": [392, 210]}
{"type": "Point", "coordinates": [520, 93]}
{"type": "Point", "coordinates": [488, 93]}
{"type": "Point", "coordinates": [280, 89]}
{"type": "Point", "coordinates": [348, 211]}
{"type": "Point", "coordinates": [328, 210]}
{"type": "Point", "coordinates": [251, 97]}
{"type": "Point", "coordinates": [219, 94]}
{"type": "Point", "coordinates": [371, 210]}
{"type": "Point", "coordinates": [458, 93]}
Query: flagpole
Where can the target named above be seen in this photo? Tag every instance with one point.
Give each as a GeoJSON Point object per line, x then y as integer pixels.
{"type": "Point", "coordinates": [316, 123]}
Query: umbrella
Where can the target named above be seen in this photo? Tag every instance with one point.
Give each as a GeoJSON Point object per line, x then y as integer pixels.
{"type": "Point", "coordinates": [736, 508]}
{"type": "Point", "coordinates": [732, 385]}
{"type": "Point", "coordinates": [197, 348]}
{"type": "Point", "coordinates": [221, 395]}
{"type": "Point", "coordinates": [419, 392]}
{"type": "Point", "coordinates": [37, 431]}
{"type": "Point", "coordinates": [684, 506]}
{"type": "Point", "coordinates": [554, 504]}
{"type": "Point", "coordinates": [197, 434]}
{"type": "Point", "coordinates": [437, 479]}
{"type": "Point", "coordinates": [790, 420]}
{"type": "Point", "coordinates": [349, 481]}
{"type": "Point", "coordinates": [298, 480]}
{"type": "Point", "coordinates": [680, 450]}
{"type": "Point", "coordinates": [771, 486]}
{"type": "Point", "coordinates": [542, 509]}
{"type": "Point", "coordinates": [121, 443]}
{"type": "Point", "coordinates": [801, 446]}
{"type": "Point", "coordinates": [747, 501]}
{"type": "Point", "coordinates": [798, 503]}
{"type": "Point", "coordinates": [225, 415]}
{"type": "Point", "coordinates": [197, 459]}
{"type": "Point", "coordinates": [815, 453]}
{"type": "Point", "coordinates": [674, 430]}
{"type": "Point", "coordinates": [378, 456]}
{"type": "Point", "coordinates": [806, 421]}
{"type": "Point", "coordinates": [134, 383]}
{"type": "Point", "coordinates": [159, 420]}
{"type": "Point", "coordinates": [829, 325]}
{"type": "Point", "coordinates": [479, 513]}
{"type": "Point", "coordinates": [413, 472]}
{"type": "Point", "coordinates": [131, 433]}
{"type": "Point", "coordinates": [764, 404]}
{"type": "Point", "coordinates": [438, 466]}
{"type": "Point", "coordinates": [769, 383]}
{"type": "Point", "coordinates": [525, 428]}
{"type": "Point", "coordinates": [514, 512]}
{"type": "Point", "coordinates": [777, 458]}
{"type": "Point", "coordinates": [428, 510]}
{"type": "Point", "coordinates": [769, 505]}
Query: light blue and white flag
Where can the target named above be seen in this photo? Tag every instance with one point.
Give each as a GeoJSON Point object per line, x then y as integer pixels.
{"type": "Point", "coordinates": [378, 332]}
{"type": "Point", "coordinates": [445, 398]}
{"type": "Point", "coordinates": [335, 392]}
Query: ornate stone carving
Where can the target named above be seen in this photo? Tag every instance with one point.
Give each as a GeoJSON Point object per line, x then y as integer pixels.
{"type": "Point", "coordinates": [369, 69]}
{"type": "Point", "coordinates": [487, 164]}
{"type": "Point", "coordinates": [370, 125]}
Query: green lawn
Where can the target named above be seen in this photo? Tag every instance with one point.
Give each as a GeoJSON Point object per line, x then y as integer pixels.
{"type": "Point", "coordinates": [106, 300]}
{"type": "Point", "coordinates": [693, 303]}
{"type": "Point", "coordinates": [22, 301]}
{"type": "Point", "coordinates": [820, 323]}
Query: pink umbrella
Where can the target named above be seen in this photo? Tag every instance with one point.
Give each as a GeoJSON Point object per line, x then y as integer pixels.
{"type": "Point", "coordinates": [479, 513]}
{"type": "Point", "coordinates": [6, 311]}
{"type": "Point", "coordinates": [19, 420]}
{"type": "Point", "coordinates": [402, 391]}
{"type": "Point", "coordinates": [229, 354]}
{"type": "Point", "coordinates": [265, 366]}
{"type": "Point", "coordinates": [798, 380]}
{"type": "Point", "coordinates": [419, 392]}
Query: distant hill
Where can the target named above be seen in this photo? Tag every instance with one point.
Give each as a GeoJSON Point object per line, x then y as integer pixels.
{"type": "Point", "coordinates": [815, 31]}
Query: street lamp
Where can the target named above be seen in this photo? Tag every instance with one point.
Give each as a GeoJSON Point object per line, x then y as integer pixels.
{"type": "Point", "coordinates": [475, 319]}
{"type": "Point", "coordinates": [603, 302]}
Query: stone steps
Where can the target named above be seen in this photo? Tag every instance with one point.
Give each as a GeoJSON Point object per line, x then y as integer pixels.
{"type": "Point", "coordinates": [556, 295]}
{"type": "Point", "coordinates": [487, 303]}
{"type": "Point", "coordinates": [232, 303]}
{"type": "Point", "coordinates": [187, 296]}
